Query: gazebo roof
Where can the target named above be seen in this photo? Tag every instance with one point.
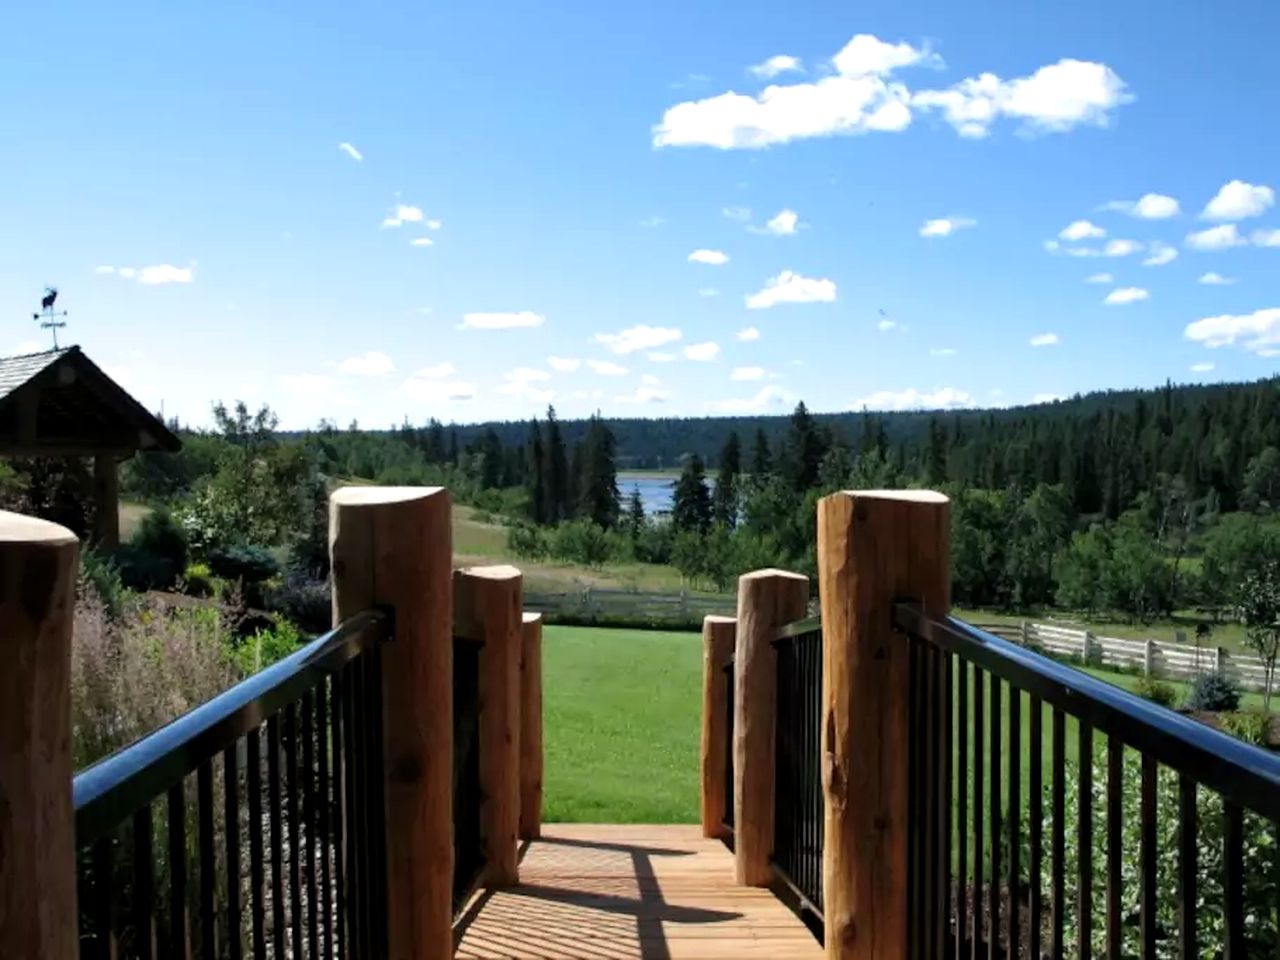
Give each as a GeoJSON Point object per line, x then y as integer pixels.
{"type": "Point", "coordinates": [60, 403]}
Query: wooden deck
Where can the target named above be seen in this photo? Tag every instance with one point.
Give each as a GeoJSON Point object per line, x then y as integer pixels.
{"type": "Point", "coordinates": [615, 892]}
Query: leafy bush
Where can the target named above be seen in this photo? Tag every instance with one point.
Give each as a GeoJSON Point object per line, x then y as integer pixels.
{"type": "Point", "coordinates": [1214, 692]}
{"type": "Point", "coordinates": [304, 601]}
{"type": "Point", "coordinates": [99, 575]}
{"type": "Point", "coordinates": [1251, 726]}
{"type": "Point", "coordinates": [141, 570]}
{"type": "Point", "coordinates": [581, 541]}
{"type": "Point", "coordinates": [267, 646]}
{"type": "Point", "coordinates": [161, 535]}
{"type": "Point", "coordinates": [1157, 691]}
{"type": "Point", "coordinates": [243, 562]}
{"type": "Point", "coordinates": [527, 541]}
{"type": "Point", "coordinates": [197, 580]}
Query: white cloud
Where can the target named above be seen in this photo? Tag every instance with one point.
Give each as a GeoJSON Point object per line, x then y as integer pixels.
{"type": "Point", "coordinates": [1100, 278]}
{"type": "Point", "coordinates": [791, 287]}
{"type": "Point", "coordinates": [375, 363]}
{"type": "Point", "coordinates": [645, 395]}
{"type": "Point", "coordinates": [350, 151]}
{"type": "Point", "coordinates": [714, 258]}
{"type": "Point", "coordinates": [649, 380]}
{"type": "Point", "coordinates": [1201, 367]}
{"type": "Point", "coordinates": [867, 55]}
{"type": "Point", "coordinates": [432, 390]}
{"type": "Point", "coordinates": [1054, 247]}
{"type": "Point", "coordinates": [160, 274]}
{"type": "Point", "coordinates": [783, 225]}
{"type": "Point", "coordinates": [945, 226]}
{"type": "Point", "coordinates": [403, 213]}
{"type": "Point", "coordinates": [1238, 200]}
{"type": "Point", "coordinates": [660, 357]}
{"type": "Point", "coordinates": [436, 371]}
{"type": "Point", "coordinates": [944, 398]}
{"type": "Point", "coordinates": [502, 321]}
{"type": "Point", "coordinates": [1161, 253]}
{"type": "Point", "coordinates": [943, 352]}
{"type": "Point", "coordinates": [768, 396]}
{"type": "Point", "coordinates": [1121, 248]}
{"type": "Point", "coordinates": [1150, 206]}
{"type": "Point", "coordinates": [433, 224]}
{"type": "Point", "coordinates": [702, 351]}
{"type": "Point", "coordinates": [740, 214]}
{"type": "Point", "coordinates": [708, 292]}
{"type": "Point", "coordinates": [748, 373]}
{"type": "Point", "coordinates": [1081, 230]}
{"type": "Point", "coordinates": [1123, 295]}
{"type": "Point", "coordinates": [127, 273]}
{"type": "Point", "coordinates": [607, 368]}
{"type": "Point", "coordinates": [1257, 332]}
{"type": "Point", "coordinates": [782, 63]}
{"type": "Point", "coordinates": [520, 381]}
{"type": "Point", "coordinates": [307, 384]}
{"type": "Point", "coordinates": [885, 325]}
{"type": "Point", "coordinates": [1044, 340]}
{"type": "Point", "coordinates": [564, 364]}
{"type": "Point", "coordinates": [1267, 238]}
{"type": "Point", "coordinates": [421, 242]}
{"type": "Point", "coordinates": [1216, 238]}
{"type": "Point", "coordinates": [747, 333]}
{"type": "Point", "coordinates": [1054, 99]}
{"type": "Point", "coordinates": [640, 337]}
{"type": "Point", "coordinates": [104, 270]}
{"type": "Point", "coordinates": [1214, 279]}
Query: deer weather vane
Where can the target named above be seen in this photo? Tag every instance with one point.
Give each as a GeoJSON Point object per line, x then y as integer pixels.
{"type": "Point", "coordinates": [48, 317]}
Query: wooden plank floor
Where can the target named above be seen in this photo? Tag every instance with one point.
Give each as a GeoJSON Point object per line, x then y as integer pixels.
{"type": "Point", "coordinates": [611, 892]}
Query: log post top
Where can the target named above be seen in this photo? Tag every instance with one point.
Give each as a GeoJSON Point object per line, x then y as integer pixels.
{"type": "Point", "coordinates": [372, 496]}
{"type": "Point", "coordinates": [718, 618]}
{"type": "Point", "coordinates": [16, 528]}
{"type": "Point", "coordinates": [499, 571]}
{"type": "Point", "coordinates": [911, 496]}
{"type": "Point", "coordinates": [770, 573]}
{"type": "Point", "coordinates": [530, 617]}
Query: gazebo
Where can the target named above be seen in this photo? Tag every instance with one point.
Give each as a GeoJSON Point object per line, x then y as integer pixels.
{"type": "Point", "coordinates": [60, 404]}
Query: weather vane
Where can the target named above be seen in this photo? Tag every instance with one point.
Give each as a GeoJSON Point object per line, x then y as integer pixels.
{"type": "Point", "coordinates": [48, 317]}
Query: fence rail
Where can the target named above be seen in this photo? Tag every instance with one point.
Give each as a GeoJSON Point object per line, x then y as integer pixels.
{"type": "Point", "coordinates": [595, 604]}
{"type": "Point", "coordinates": [294, 754]}
{"type": "Point", "coordinates": [798, 829]}
{"type": "Point", "coordinates": [1160, 658]}
{"type": "Point", "coordinates": [1138, 828]}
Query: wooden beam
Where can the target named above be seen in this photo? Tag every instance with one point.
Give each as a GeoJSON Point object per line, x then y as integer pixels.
{"type": "Point", "coordinates": [874, 548]}
{"type": "Point", "coordinates": [717, 648]}
{"type": "Point", "coordinates": [767, 601]}
{"type": "Point", "coordinates": [488, 603]}
{"type": "Point", "coordinates": [38, 566]}
{"type": "Point", "coordinates": [531, 727]}
{"type": "Point", "coordinates": [392, 546]}
{"type": "Point", "coordinates": [106, 492]}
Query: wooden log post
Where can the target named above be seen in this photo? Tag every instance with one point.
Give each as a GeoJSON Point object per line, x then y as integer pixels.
{"type": "Point", "coordinates": [531, 727]}
{"type": "Point", "coordinates": [106, 495]}
{"type": "Point", "coordinates": [393, 546]}
{"type": "Point", "coordinates": [717, 648]}
{"type": "Point", "coordinates": [488, 601]}
{"type": "Point", "coordinates": [38, 566]}
{"type": "Point", "coordinates": [874, 548]}
{"type": "Point", "coordinates": [767, 601]}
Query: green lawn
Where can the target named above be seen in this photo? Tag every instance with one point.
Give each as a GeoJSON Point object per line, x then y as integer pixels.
{"type": "Point", "coordinates": [621, 725]}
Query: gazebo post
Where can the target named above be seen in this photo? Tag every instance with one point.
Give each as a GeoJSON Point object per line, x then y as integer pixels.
{"type": "Point", "coordinates": [106, 496]}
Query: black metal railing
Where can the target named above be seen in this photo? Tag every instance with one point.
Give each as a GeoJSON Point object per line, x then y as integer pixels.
{"type": "Point", "coordinates": [1053, 813]}
{"type": "Point", "coordinates": [468, 845]}
{"type": "Point", "coordinates": [728, 748]}
{"type": "Point", "coordinates": [798, 827]}
{"type": "Point", "coordinates": [229, 871]}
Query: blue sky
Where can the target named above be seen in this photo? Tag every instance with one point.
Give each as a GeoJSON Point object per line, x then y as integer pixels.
{"type": "Point", "coordinates": [899, 203]}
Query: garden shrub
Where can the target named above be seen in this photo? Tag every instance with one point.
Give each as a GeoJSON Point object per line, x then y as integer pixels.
{"type": "Point", "coordinates": [1252, 726]}
{"type": "Point", "coordinates": [100, 575]}
{"type": "Point", "coordinates": [527, 541]}
{"type": "Point", "coordinates": [160, 535]}
{"type": "Point", "coordinates": [267, 646]}
{"type": "Point", "coordinates": [198, 580]}
{"type": "Point", "coordinates": [303, 600]}
{"type": "Point", "coordinates": [1157, 691]}
{"type": "Point", "coordinates": [1213, 693]}
{"type": "Point", "coordinates": [246, 563]}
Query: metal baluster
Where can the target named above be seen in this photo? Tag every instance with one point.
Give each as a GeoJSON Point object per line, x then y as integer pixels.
{"type": "Point", "coordinates": [310, 817]}
{"type": "Point", "coordinates": [325, 799]}
{"type": "Point", "coordinates": [1084, 842]}
{"type": "Point", "coordinates": [208, 866]}
{"type": "Point", "coordinates": [1233, 881]}
{"type": "Point", "coordinates": [1148, 892]}
{"type": "Point", "coordinates": [257, 872]}
{"type": "Point", "coordinates": [1187, 856]}
{"type": "Point", "coordinates": [993, 889]}
{"type": "Point", "coordinates": [378, 807]}
{"type": "Point", "coordinates": [943, 882]}
{"type": "Point", "coordinates": [962, 803]}
{"type": "Point", "coordinates": [144, 915]}
{"type": "Point", "coordinates": [1115, 842]}
{"type": "Point", "coordinates": [1057, 837]}
{"type": "Point", "coordinates": [103, 894]}
{"type": "Point", "coordinates": [279, 935]}
{"type": "Point", "coordinates": [1035, 815]}
{"type": "Point", "coordinates": [1014, 816]}
{"type": "Point", "coordinates": [177, 817]}
{"type": "Point", "coordinates": [231, 821]}
{"type": "Point", "coordinates": [293, 821]}
{"type": "Point", "coordinates": [342, 803]}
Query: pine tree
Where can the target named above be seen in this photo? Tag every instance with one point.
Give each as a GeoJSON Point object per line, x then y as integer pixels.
{"type": "Point", "coordinates": [803, 451]}
{"type": "Point", "coordinates": [726, 493]}
{"type": "Point", "coordinates": [555, 474]}
{"type": "Point", "coordinates": [598, 480]}
{"type": "Point", "coordinates": [536, 483]}
{"type": "Point", "coordinates": [635, 514]}
{"type": "Point", "coordinates": [435, 451]}
{"type": "Point", "coordinates": [453, 446]}
{"type": "Point", "coordinates": [691, 507]}
{"type": "Point", "coordinates": [936, 466]}
{"type": "Point", "coordinates": [761, 458]}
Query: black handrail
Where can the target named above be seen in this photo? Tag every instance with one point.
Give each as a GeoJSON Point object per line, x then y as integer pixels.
{"type": "Point", "coordinates": [1241, 772]}
{"type": "Point", "coordinates": [116, 786]}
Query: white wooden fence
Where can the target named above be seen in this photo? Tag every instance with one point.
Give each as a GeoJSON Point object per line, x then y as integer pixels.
{"type": "Point", "coordinates": [1175, 661]}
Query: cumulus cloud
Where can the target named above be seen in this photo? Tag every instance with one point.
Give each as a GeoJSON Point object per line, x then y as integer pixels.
{"type": "Point", "coordinates": [1123, 295]}
{"type": "Point", "coordinates": [1121, 248]}
{"type": "Point", "coordinates": [645, 394]}
{"type": "Point", "coordinates": [715, 258]}
{"type": "Point", "coordinates": [945, 226]}
{"type": "Point", "coordinates": [1150, 206]}
{"type": "Point", "coordinates": [791, 287]}
{"type": "Point", "coordinates": [401, 214]}
{"type": "Point", "coordinates": [421, 242]}
{"type": "Point", "coordinates": [375, 363]}
{"type": "Point", "coordinates": [747, 334]}
{"type": "Point", "coordinates": [640, 337]}
{"type": "Point", "coordinates": [1044, 340]}
{"type": "Point", "coordinates": [1257, 332]}
{"type": "Point", "coordinates": [659, 356]}
{"type": "Point", "coordinates": [767, 397]}
{"type": "Point", "coordinates": [702, 351]}
{"type": "Point", "coordinates": [1201, 367]}
{"type": "Point", "coordinates": [1213, 279]}
{"type": "Point", "coordinates": [433, 390]}
{"type": "Point", "coordinates": [1238, 200]}
{"type": "Point", "coordinates": [748, 373]}
{"type": "Point", "coordinates": [502, 321]}
{"type": "Point", "coordinates": [1081, 230]}
{"type": "Point", "coordinates": [649, 380]}
{"type": "Point", "coordinates": [782, 225]}
{"type": "Point", "coordinates": [1161, 253]}
{"type": "Point", "coordinates": [1267, 238]}
{"type": "Point", "coordinates": [520, 383]}
{"type": "Point", "coordinates": [885, 325]}
{"type": "Point", "coordinates": [944, 398]}
{"type": "Point", "coordinates": [774, 66]}
{"type": "Point", "coordinates": [1100, 278]}
{"type": "Point", "coordinates": [351, 151]}
{"type": "Point", "coordinates": [607, 368]}
{"type": "Point", "coordinates": [104, 270]}
{"type": "Point", "coordinates": [437, 371]}
{"type": "Point", "coordinates": [153, 276]}
{"type": "Point", "coordinates": [564, 364]}
{"type": "Point", "coordinates": [1216, 238]}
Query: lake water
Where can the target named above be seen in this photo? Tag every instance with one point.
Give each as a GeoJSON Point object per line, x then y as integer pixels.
{"type": "Point", "coordinates": [656, 493]}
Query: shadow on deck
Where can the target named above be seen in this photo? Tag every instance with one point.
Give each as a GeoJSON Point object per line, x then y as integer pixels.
{"type": "Point", "coordinates": [607, 892]}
